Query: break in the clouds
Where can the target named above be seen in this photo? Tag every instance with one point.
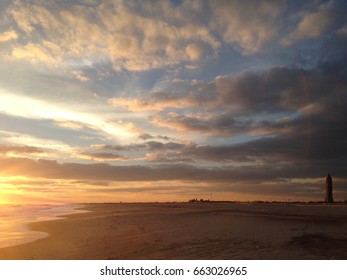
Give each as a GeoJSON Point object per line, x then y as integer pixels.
{"type": "Point", "coordinates": [164, 100]}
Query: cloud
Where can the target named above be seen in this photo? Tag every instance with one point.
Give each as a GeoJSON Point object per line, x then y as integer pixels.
{"type": "Point", "coordinates": [118, 147]}
{"type": "Point", "coordinates": [267, 102]}
{"type": "Point", "coordinates": [45, 145]}
{"type": "Point", "coordinates": [49, 169]}
{"type": "Point", "coordinates": [178, 94]}
{"type": "Point", "coordinates": [102, 156]}
{"type": "Point", "coordinates": [194, 51]}
{"type": "Point", "coordinates": [168, 158]}
{"type": "Point", "coordinates": [343, 31]}
{"type": "Point", "coordinates": [136, 105]}
{"type": "Point", "coordinates": [305, 144]}
{"type": "Point", "coordinates": [79, 75]}
{"type": "Point", "coordinates": [140, 36]}
{"type": "Point", "coordinates": [232, 99]}
{"type": "Point", "coordinates": [68, 124]}
{"type": "Point", "coordinates": [19, 150]}
{"type": "Point", "coordinates": [290, 116]}
{"type": "Point", "coordinates": [150, 151]}
{"type": "Point", "coordinates": [117, 31]}
{"type": "Point", "coordinates": [312, 24]}
{"type": "Point", "coordinates": [8, 36]}
{"type": "Point", "coordinates": [156, 102]}
{"type": "Point", "coordinates": [211, 124]}
{"type": "Point", "coordinates": [249, 25]}
{"type": "Point", "coordinates": [269, 91]}
{"type": "Point", "coordinates": [36, 53]}
{"type": "Point", "coordinates": [155, 145]}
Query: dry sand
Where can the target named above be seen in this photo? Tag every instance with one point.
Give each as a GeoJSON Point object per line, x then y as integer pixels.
{"type": "Point", "coordinates": [192, 231]}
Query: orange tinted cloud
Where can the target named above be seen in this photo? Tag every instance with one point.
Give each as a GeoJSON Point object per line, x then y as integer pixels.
{"type": "Point", "coordinates": [8, 36]}
{"type": "Point", "coordinates": [102, 156]}
{"type": "Point", "coordinates": [19, 150]}
{"type": "Point", "coordinates": [131, 40]}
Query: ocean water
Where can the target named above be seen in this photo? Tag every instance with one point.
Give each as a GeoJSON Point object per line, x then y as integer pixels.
{"type": "Point", "coordinates": [14, 220]}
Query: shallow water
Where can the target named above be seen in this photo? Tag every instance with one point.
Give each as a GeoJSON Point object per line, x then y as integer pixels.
{"type": "Point", "coordinates": [14, 220]}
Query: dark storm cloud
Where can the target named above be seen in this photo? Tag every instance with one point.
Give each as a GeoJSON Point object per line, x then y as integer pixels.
{"type": "Point", "coordinates": [49, 169]}
{"type": "Point", "coordinates": [150, 145]}
{"type": "Point", "coordinates": [282, 102]}
{"type": "Point", "coordinates": [155, 145]}
{"type": "Point", "coordinates": [260, 92]}
{"type": "Point", "coordinates": [276, 90]}
{"type": "Point", "coordinates": [53, 170]}
{"type": "Point", "coordinates": [119, 147]}
{"type": "Point", "coordinates": [224, 124]}
{"type": "Point", "coordinates": [300, 113]}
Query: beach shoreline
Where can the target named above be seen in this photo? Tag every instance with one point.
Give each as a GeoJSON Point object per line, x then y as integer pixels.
{"type": "Point", "coordinates": [190, 231]}
{"type": "Point", "coordinates": [15, 220]}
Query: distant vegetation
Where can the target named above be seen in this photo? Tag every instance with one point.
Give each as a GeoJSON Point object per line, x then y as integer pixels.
{"type": "Point", "coordinates": [196, 200]}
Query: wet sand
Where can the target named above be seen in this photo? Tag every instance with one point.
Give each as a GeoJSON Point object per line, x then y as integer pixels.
{"type": "Point", "coordinates": [192, 231]}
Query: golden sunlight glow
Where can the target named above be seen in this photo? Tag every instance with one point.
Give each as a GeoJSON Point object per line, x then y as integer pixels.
{"type": "Point", "coordinates": [37, 109]}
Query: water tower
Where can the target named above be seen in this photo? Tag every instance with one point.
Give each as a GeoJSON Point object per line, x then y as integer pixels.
{"type": "Point", "coordinates": [329, 189]}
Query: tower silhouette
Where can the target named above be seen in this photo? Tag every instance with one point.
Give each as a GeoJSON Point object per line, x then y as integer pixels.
{"type": "Point", "coordinates": [329, 189]}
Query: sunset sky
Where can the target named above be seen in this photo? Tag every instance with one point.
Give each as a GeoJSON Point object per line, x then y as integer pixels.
{"type": "Point", "coordinates": [104, 100]}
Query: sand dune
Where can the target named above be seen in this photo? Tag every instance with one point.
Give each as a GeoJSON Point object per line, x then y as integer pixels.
{"type": "Point", "coordinates": [192, 231]}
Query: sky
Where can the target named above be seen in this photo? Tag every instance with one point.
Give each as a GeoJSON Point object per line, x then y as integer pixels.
{"type": "Point", "coordinates": [111, 100]}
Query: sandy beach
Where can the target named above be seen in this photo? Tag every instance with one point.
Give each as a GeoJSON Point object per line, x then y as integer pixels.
{"type": "Point", "coordinates": [192, 231]}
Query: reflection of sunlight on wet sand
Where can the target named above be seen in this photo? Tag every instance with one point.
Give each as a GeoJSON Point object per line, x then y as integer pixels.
{"type": "Point", "coordinates": [14, 220]}
{"type": "Point", "coordinates": [13, 237]}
